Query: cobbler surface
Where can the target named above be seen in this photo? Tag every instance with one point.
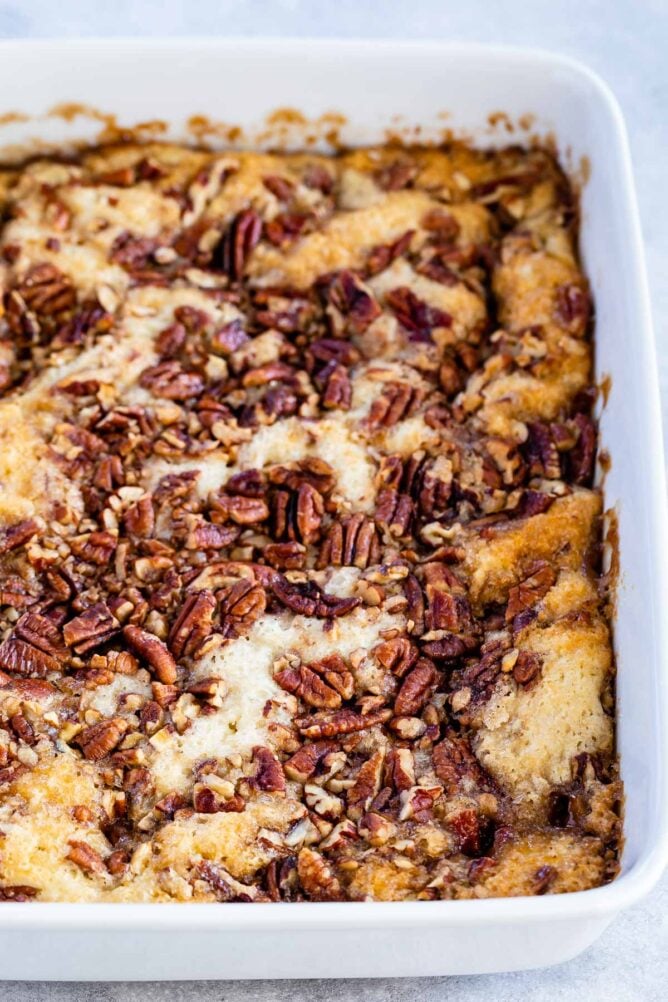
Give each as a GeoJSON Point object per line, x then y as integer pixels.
{"type": "Point", "coordinates": [299, 551]}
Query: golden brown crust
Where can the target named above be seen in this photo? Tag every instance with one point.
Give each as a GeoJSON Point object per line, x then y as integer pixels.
{"type": "Point", "coordinates": [298, 539]}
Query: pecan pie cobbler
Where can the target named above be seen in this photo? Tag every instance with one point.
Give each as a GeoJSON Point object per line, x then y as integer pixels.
{"type": "Point", "coordinates": [300, 577]}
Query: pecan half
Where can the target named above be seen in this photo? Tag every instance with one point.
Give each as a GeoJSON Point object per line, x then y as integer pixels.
{"type": "Point", "coordinates": [323, 725]}
{"type": "Point", "coordinates": [398, 655]}
{"type": "Point", "coordinates": [85, 857]}
{"type": "Point", "coordinates": [269, 774]}
{"type": "Point", "coordinates": [170, 381]}
{"type": "Point", "coordinates": [99, 740]}
{"type": "Point", "coordinates": [317, 877]}
{"type": "Point", "coordinates": [18, 534]}
{"type": "Point", "coordinates": [418, 318]}
{"type": "Point", "coordinates": [352, 542]}
{"type": "Point", "coordinates": [396, 175]}
{"type": "Point", "coordinates": [192, 625]}
{"type": "Point", "coordinates": [457, 767]}
{"type": "Point", "coordinates": [308, 686]}
{"type": "Point", "coordinates": [307, 599]}
{"type": "Point", "coordinates": [366, 786]}
{"type": "Point", "coordinates": [303, 764]}
{"type": "Point", "coordinates": [46, 291]}
{"type": "Point", "coordinates": [18, 892]}
{"type": "Point", "coordinates": [415, 688]}
{"type": "Point", "coordinates": [35, 648]}
{"type": "Point", "coordinates": [237, 244]}
{"type": "Point", "coordinates": [337, 390]}
{"type": "Point", "coordinates": [572, 308]}
{"type": "Point", "coordinates": [351, 304]}
{"type": "Point", "coordinates": [154, 651]}
{"type": "Point", "coordinates": [530, 591]}
{"type": "Point", "coordinates": [527, 667]}
{"type": "Point", "coordinates": [139, 519]}
{"type": "Point", "coordinates": [91, 629]}
{"type": "Point", "coordinates": [240, 605]}
{"type": "Point", "coordinates": [397, 402]}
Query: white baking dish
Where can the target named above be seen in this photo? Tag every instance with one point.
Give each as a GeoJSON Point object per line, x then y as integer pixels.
{"type": "Point", "coordinates": [376, 86]}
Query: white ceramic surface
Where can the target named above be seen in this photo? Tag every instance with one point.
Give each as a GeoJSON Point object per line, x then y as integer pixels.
{"type": "Point", "coordinates": [141, 80]}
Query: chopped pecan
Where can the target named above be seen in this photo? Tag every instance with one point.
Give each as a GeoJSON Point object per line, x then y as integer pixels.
{"type": "Point", "coordinates": [193, 624]}
{"type": "Point", "coordinates": [474, 833]}
{"type": "Point", "coordinates": [449, 608]}
{"type": "Point", "coordinates": [418, 803]}
{"type": "Point", "coordinates": [394, 512]}
{"type": "Point", "coordinates": [317, 877]}
{"type": "Point", "coordinates": [34, 649]}
{"type": "Point", "coordinates": [415, 688]}
{"type": "Point", "coordinates": [532, 503]}
{"type": "Point", "coordinates": [42, 632]}
{"type": "Point", "coordinates": [318, 177]}
{"type": "Point", "coordinates": [327, 349]}
{"type": "Point", "coordinates": [132, 252]}
{"type": "Point", "coordinates": [100, 739]}
{"type": "Point", "coordinates": [400, 769]}
{"type": "Point", "coordinates": [441, 222]}
{"type": "Point", "coordinates": [22, 728]}
{"type": "Point", "coordinates": [415, 609]}
{"type": "Point", "coordinates": [335, 672]}
{"type": "Point", "coordinates": [269, 774]}
{"type": "Point", "coordinates": [154, 651]}
{"type": "Point", "coordinates": [91, 629]}
{"type": "Point", "coordinates": [226, 887]}
{"type": "Point", "coordinates": [312, 470]}
{"type": "Point", "coordinates": [543, 879]}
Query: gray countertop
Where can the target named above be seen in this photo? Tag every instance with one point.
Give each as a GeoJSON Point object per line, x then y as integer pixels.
{"type": "Point", "coordinates": [626, 42]}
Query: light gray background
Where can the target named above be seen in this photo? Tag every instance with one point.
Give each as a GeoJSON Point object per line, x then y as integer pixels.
{"type": "Point", "coordinates": [627, 43]}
